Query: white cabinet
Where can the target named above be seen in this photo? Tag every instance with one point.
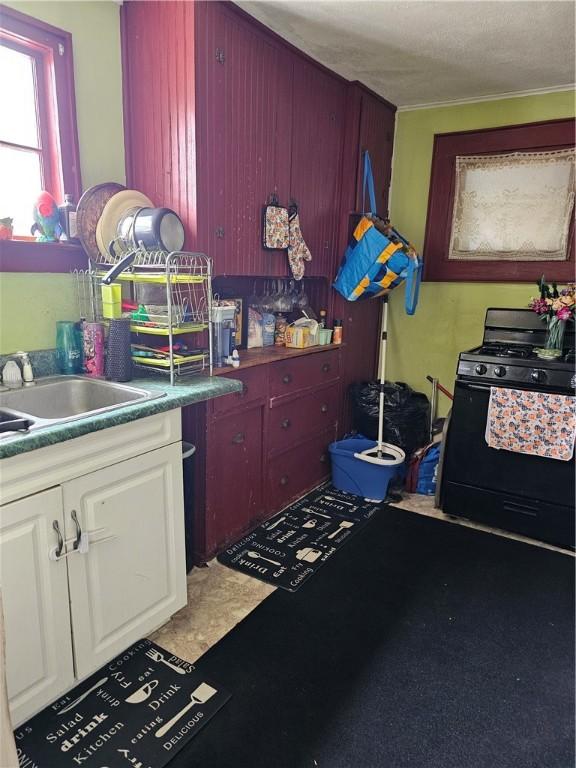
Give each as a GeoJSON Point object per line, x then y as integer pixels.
{"type": "Point", "coordinates": [35, 596]}
{"type": "Point", "coordinates": [65, 618]}
{"type": "Point", "coordinates": [133, 577]}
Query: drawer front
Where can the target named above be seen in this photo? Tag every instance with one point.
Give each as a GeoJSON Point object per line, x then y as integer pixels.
{"type": "Point", "coordinates": [298, 470]}
{"type": "Point", "coordinates": [537, 519]}
{"type": "Point", "coordinates": [294, 421]}
{"type": "Point", "coordinates": [289, 376]}
{"type": "Point", "coordinates": [254, 387]}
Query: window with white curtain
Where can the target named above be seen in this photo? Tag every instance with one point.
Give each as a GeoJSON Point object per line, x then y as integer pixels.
{"type": "Point", "coordinates": [515, 206]}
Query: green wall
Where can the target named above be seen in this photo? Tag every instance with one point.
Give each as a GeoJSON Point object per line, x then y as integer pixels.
{"type": "Point", "coordinates": [29, 304]}
{"type": "Point", "coordinates": [450, 315]}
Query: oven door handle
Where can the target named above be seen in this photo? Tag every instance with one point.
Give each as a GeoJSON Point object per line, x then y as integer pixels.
{"type": "Point", "coordinates": [480, 387]}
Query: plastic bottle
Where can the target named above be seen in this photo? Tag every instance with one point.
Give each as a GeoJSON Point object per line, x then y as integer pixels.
{"type": "Point", "coordinates": [68, 218]}
{"type": "Point", "coordinates": [337, 335]}
{"type": "Point", "coordinates": [322, 322]}
{"type": "Point", "coordinates": [280, 330]}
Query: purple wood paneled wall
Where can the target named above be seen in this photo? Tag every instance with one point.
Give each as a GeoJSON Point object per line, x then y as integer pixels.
{"type": "Point", "coordinates": [318, 118]}
{"type": "Point", "coordinates": [244, 138]}
{"type": "Point", "coordinates": [377, 136]}
{"type": "Point", "coordinates": [160, 104]}
{"type": "Point", "coordinates": [220, 112]}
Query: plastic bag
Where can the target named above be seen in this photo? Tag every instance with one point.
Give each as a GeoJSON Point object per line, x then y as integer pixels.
{"type": "Point", "coordinates": [254, 329]}
{"type": "Point", "coordinates": [406, 414]}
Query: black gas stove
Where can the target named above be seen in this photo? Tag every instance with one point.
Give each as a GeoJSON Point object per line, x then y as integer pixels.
{"type": "Point", "coordinates": [527, 494]}
{"type": "Point", "coordinates": [507, 355]}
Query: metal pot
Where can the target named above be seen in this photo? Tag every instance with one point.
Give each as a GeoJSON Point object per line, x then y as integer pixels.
{"type": "Point", "coordinates": [158, 229]}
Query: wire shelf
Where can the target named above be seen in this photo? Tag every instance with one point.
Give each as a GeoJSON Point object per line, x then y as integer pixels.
{"type": "Point", "coordinates": [166, 295]}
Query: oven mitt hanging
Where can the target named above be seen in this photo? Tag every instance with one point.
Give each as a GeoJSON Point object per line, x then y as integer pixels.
{"type": "Point", "coordinates": [275, 234]}
{"type": "Point", "coordinates": [298, 251]}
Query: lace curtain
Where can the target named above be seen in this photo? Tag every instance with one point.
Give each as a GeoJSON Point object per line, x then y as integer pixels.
{"type": "Point", "coordinates": [515, 206]}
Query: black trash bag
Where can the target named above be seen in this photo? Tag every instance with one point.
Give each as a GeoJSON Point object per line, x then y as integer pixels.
{"type": "Point", "coordinates": [406, 414]}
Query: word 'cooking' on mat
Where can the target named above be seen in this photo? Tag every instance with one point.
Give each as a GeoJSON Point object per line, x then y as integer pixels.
{"type": "Point", "coordinates": [290, 547]}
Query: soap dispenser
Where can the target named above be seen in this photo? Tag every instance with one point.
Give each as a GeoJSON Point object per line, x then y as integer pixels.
{"type": "Point", "coordinates": [27, 372]}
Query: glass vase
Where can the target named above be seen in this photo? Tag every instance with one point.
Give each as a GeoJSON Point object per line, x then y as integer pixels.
{"type": "Point", "coordinates": [555, 335]}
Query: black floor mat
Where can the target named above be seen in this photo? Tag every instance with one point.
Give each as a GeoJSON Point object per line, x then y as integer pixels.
{"type": "Point", "coordinates": [289, 548]}
{"type": "Point", "coordinates": [137, 710]}
{"type": "Point", "coordinates": [421, 644]}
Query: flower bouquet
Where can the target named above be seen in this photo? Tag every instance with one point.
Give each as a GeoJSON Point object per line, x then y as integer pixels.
{"type": "Point", "coordinates": [556, 307]}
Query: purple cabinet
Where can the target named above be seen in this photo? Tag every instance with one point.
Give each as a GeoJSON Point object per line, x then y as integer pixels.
{"type": "Point", "coordinates": [369, 125]}
{"type": "Point", "coordinates": [159, 105]}
{"type": "Point", "coordinates": [243, 131]}
{"type": "Point", "coordinates": [317, 142]}
{"type": "Point", "coordinates": [376, 135]}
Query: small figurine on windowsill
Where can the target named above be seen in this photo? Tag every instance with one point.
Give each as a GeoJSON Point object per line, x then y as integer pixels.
{"type": "Point", "coordinates": [46, 227]}
{"type": "Point", "coordinates": [6, 228]}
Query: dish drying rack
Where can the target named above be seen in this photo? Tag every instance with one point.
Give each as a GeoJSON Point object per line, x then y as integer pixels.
{"type": "Point", "coordinates": [183, 281]}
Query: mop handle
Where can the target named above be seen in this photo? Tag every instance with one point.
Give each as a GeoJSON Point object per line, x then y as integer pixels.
{"type": "Point", "coordinates": [384, 340]}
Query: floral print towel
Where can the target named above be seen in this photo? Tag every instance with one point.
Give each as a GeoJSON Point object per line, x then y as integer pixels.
{"type": "Point", "coordinates": [538, 423]}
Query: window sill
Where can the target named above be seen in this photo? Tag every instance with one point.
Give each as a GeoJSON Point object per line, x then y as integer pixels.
{"type": "Point", "coordinates": [24, 256]}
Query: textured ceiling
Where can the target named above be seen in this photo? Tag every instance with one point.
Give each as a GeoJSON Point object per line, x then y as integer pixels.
{"type": "Point", "coordinates": [421, 52]}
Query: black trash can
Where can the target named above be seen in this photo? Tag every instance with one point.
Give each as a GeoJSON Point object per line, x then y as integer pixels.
{"type": "Point", "coordinates": [188, 451]}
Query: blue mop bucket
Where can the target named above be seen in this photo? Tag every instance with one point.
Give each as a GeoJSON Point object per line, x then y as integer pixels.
{"type": "Point", "coordinates": [362, 478]}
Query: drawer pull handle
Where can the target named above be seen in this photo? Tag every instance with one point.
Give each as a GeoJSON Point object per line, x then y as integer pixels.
{"type": "Point", "coordinates": [326, 367]}
{"type": "Point", "coordinates": [324, 408]}
{"type": "Point", "coordinates": [60, 546]}
{"type": "Point", "coordinates": [285, 424]}
{"type": "Point", "coordinates": [284, 480]}
{"type": "Point", "coordinates": [323, 459]}
{"type": "Point", "coordinates": [239, 438]}
{"type": "Point", "coordinates": [287, 378]}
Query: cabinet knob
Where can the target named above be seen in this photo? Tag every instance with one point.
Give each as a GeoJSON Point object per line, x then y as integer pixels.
{"type": "Point", "coordinates": [323, 459]}
{"type": "Point", "coordinates": [326, 367]}
{"type": "Point", "coordinates": [287, 378]}
{"type": "Point", "coordinates": [285, 424]}
{"type": "Point", "coordinates": [324, 408]}
{"type": "Point", "coordinates": [284, 480]}
{"type": "Point", "coordinates": [239, 438]}
{"type": "Point", "coordinates": [244, 390]}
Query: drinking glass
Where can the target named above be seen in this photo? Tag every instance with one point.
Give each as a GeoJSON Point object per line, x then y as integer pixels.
{"type": "Point", "coordinates": [69, 346]}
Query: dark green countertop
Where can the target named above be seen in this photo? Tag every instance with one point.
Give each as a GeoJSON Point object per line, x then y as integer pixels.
{"type": "Point", "coordinates": [193, 390]}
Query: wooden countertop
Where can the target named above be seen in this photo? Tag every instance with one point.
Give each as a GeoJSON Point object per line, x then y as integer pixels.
{"type": "Point", "coordinates": [263, 355]}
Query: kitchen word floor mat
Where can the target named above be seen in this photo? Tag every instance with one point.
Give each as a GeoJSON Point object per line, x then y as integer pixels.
{"type": "Point", "coordinates": [138, 710]}
{"type": "Point", "coordinates": [289, 548]}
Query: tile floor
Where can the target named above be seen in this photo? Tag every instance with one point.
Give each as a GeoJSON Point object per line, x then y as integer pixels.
{"type": "Point", "coordinates": [219, 598]}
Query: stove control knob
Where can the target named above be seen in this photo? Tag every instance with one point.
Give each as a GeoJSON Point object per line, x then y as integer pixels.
{"type": "Point", "coordinates": [500, 371]}
{"type": "Point", "coordinates": [481, 369]}
{"type": "Point", "coordinates": [538, 376]}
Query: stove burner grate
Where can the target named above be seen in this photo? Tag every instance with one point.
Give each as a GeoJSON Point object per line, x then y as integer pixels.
{"type": "Point", "coordinates": [506, 350]}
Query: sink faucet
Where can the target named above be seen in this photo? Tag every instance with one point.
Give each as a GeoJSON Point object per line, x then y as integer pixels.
{"type": "Point", "coordinates": [11, 374]}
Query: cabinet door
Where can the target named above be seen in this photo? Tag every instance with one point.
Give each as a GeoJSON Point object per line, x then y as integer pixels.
{"type": "Point", "coordinates": [244, 93]}
{"type": "Point", "coordinates": [133, 577]}
{"type": "Point", "coordinates": [317, 139]}
{"type": "Point", "coordinates": [234, 496]}
{"type": "Point", "coordinates": [39, 664]}
{"type": "Point", "coordinates": [377, 136]}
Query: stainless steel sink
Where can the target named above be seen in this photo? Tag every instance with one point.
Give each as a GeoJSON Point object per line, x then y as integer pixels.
{"type": "Point", "coordinates": [64, 398]}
